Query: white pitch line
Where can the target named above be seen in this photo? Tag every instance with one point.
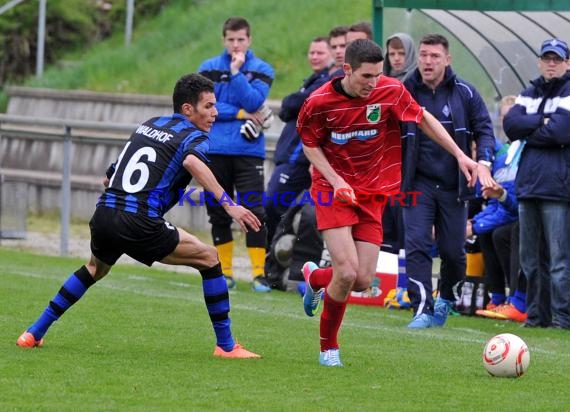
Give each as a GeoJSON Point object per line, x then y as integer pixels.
{"type": "Point", "coordinates": [465, 335]}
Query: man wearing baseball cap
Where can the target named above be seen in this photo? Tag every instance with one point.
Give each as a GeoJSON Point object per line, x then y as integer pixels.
{"type": "Point", "coordinates": [556, 46]}
{"type": "Point", "coordinates": [540, 118]}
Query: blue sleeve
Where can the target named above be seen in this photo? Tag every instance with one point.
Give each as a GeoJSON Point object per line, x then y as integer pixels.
{"type": "Point", "coordinates": [496, 214]}
{"type": "Point", "coordinates": [482, 220]}
{"type": "Point", "coordinates": [517, 124]}
{"type": "Point", "coordinates": [196, 144]}
{"type": "Point", "coordinates": [555, 132]}
{"type": "Point", "coordinates": [253, 93]}
{"type": "Point", "coordinates": [291, 104]}
{"type": "Point", "coordinates": [511, 203]}
{"type": "Point", "coordinates": [216, 69]}
{"type": "Point", "coordinates": [496, 217]}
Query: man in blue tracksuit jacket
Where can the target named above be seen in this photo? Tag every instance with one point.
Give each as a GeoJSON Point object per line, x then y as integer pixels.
{"type": "Point", "coordinates": [541, 116]}
{"type": "Point", "coordinates": [237, 144]}
{"type": "Point", "coordinates": [428, 169]}
{"type": "Point", "coordinates": [291, 174]}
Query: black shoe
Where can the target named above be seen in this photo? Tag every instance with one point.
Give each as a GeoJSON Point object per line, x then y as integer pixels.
{"type": "Point", "coordinates": [537, 325]}
{"type": "Point", "coordinates": [530, 325]}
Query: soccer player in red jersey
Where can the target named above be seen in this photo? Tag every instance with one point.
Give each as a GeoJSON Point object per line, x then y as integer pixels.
{"type": "Point", "coordinates": [350, 132]}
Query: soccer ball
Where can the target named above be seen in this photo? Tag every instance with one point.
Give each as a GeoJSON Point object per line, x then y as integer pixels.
{"type": "Point", "coordinates": [506, 356]}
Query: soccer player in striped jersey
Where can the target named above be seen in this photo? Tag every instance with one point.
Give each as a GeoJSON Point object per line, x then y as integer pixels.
{"type": "Point", "coordinates": [350, 132]}
{"type": "Point", "coordinates": [154, 167]}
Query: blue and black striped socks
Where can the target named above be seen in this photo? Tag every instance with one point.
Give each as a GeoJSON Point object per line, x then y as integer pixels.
{"type": "Point", "coordinates": [218, 304]}
{"type": "Point", "coordinates": [71, 291]}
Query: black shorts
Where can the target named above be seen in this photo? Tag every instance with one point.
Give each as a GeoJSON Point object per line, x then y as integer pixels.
{"type": "Point", "coordinates": [145, 239]}
{"type": "Point", "coordinates": [243, 174]}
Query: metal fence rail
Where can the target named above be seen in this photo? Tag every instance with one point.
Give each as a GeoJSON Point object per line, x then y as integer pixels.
{"type": "Point", "coordinates": [70, 132]}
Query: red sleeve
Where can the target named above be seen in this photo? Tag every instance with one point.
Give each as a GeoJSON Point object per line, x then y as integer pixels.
{"type": "Point", "coordinates": [406, 108]}
{"type": "Point", "coordinates": [309, 126]}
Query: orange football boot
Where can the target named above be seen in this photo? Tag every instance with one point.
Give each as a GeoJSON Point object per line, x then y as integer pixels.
{"type": "Point", "coordinates": [509, 312]}
{"type": "Point", "coordinates": [238, 352]}
{"type": "Point", "coordinates": [27, 340]}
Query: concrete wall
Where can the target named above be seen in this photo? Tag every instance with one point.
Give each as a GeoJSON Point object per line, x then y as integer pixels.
{"type": "Point", "coordinates": [102, 107]}
{"type": "Point", "coordinates": [38, 163]}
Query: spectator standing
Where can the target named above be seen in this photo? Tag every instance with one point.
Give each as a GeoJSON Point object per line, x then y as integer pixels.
{"type": "Point", "coordinates": [431, 171]}
{"type": "Point", "coordinates": [541, 116]}
{"type": "Point", "coordinates": [337, 43]}
{"type": "Point", "coordinates": [237, 148]}
{"type": "Point", "coordinates": [346, 127]}
{"type": "Point", "coordinates": [360, 30]}
{"type": "Point", "coordinates": [401, 58]}
{"type": "Point", "coordinates": [291, 174]}
{"type": "Point", "coordinates": [165, 153]}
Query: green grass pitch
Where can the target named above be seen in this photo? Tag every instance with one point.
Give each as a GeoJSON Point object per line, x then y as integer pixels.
{"type": "Point", "coordinates": [141, 340]}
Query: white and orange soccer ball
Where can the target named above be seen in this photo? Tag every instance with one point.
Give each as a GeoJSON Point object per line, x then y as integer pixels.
{"type": "Point", "coordinates": [506, 356]}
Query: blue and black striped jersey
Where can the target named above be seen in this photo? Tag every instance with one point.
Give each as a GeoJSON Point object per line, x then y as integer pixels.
{"type": "Point", "coordinates": [149, 176]}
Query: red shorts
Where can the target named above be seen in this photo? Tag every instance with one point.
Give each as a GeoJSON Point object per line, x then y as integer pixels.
{"type": "Point", "coordinates": [365, 218]}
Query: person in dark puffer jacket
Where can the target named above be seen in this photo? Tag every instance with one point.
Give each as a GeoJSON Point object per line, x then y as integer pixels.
{"type": "Point", "coordinates": [541, 117]}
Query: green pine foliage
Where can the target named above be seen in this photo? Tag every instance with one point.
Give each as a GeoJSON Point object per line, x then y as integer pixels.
{"type": "Point", "coordinates": [69, 25]}
{"type": "Point", "coordinates": [185, 33]}
{"type": "Point", "coordinates": [172, 37]}
{"type": "Point", "coordinates": [141, 340]}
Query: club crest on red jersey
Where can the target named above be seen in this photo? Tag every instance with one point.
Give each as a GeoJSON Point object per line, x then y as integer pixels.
{"type": "Point", "coordinates": [373, 113]}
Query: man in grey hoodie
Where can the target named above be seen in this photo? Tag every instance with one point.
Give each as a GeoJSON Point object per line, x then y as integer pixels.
{"type": "Point", "coordinates": [401, 56]}
{"type": "Point", "coordinates": [401, 59]}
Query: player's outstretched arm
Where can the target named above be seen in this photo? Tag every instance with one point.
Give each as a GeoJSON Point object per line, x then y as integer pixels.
{"type": "Point", "coordinates": [198, 169]}
{"type": "Point", "coordinates": [433, 128]}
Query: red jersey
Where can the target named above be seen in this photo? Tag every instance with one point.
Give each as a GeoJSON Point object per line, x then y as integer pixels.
{"type": "Point", "coordinates": [360, 137]}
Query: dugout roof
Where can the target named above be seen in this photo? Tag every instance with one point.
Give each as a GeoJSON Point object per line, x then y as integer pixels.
{"type": "Point", "coordinates": [503, 35]}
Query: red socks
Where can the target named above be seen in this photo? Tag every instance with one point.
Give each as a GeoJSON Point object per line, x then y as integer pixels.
{"type": "Point", "coordinates": [321, 277]}
{"type": "Point", "coordinates": [331, 319]}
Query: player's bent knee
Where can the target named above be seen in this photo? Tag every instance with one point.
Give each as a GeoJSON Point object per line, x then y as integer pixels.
{"type": "Point", "coordinates": [97, 269]}
{"type": "Point", "coordinates": [347, 278]}
{"type": "Point", "coordinates": [363, 282]}
{"type": "Point", "coordinates": [360, 286]}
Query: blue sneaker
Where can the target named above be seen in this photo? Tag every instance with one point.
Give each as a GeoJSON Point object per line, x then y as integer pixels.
{"type": "Point", "coordinates": [260, 284]}
{"type": "Point", "coordinates": [441, 309]}
{"type": "Point", "coordinates": [311, 298]}
{"type": "Point", "coordinates": [421, 321]}
{"type": "Point", "coordinates": [330, 357]}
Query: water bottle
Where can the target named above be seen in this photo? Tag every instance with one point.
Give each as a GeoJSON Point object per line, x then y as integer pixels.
{"type": "Point", "coordinates": [466, 295]}
{"type": "Point", "coordinates": [326, 260]}
{"type": "Point", "coordinates": [480, 296]}
{"type": "Point", "coordinates": [402, 276]}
